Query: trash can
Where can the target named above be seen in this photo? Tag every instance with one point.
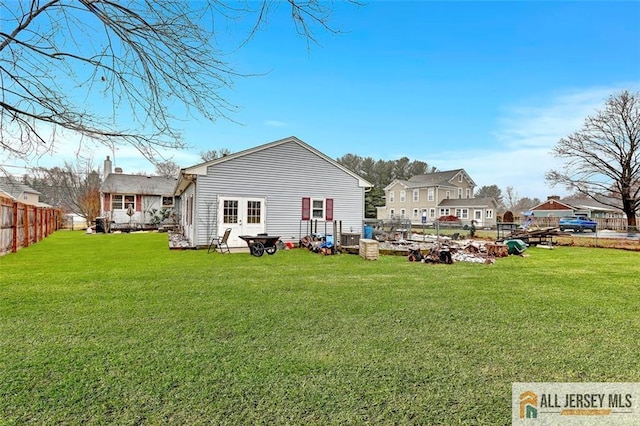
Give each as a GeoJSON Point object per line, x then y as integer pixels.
{"type": "Point", "coordinates": [100, 225]}
{"type": "Point", "coordinates": [515, 246]}
{"type": "Point", "coordinates": [368, 232]}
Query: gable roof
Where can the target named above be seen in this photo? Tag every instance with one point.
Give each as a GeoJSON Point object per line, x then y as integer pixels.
{"type": "Point", "coordinates": [552, 204]}
{"type": "Point", "coordinates": [443, 178]}
{"type": "Point", "coordinates": [201, 169]}
{"type": "Point", "coordinates": [15, 188]}
{"type": "Point", "coordinates": [138, 184]}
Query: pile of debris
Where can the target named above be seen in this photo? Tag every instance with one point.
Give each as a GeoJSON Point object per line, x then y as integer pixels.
{"type": "Point", "coordinates": [318, 244]}
{"type": "Point", "coordinates": [448, 252]}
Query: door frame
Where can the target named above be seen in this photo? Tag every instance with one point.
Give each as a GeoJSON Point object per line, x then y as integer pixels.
{"type": "Point", "coordinates": [242, 226]}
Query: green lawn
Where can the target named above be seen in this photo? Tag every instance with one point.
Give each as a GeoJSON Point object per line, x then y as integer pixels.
{"type": "Point", "coordinates": [99, 329]}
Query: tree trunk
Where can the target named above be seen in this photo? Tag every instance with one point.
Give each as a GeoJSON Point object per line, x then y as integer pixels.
{"type": "Point", "coordinates": [631, 222]}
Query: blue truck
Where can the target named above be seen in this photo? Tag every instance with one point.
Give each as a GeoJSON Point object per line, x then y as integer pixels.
{"type": "Point", "coordinates": [577, 223]}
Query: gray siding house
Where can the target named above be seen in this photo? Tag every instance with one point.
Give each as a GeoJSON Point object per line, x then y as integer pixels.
{"type": "Point", "coordinates": [276, 188]}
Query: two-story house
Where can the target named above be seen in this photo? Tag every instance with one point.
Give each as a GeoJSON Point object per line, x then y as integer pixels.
{"type": "Point", "coordinates": [18, 191]}
{"type": "Point", "coordinates": [433, 195]}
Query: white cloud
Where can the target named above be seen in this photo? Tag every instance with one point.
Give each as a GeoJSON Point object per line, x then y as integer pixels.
{"type": "Point", "coordinates": [526, 135]}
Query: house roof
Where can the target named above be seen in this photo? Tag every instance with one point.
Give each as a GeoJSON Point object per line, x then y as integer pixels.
{"type": "Point", "coordinates": [15, 188]}
{"type": "Point", "coordinates": [138, 184]}
{"type": "Point", "coordinates": [468, 202]}
{"type": "Point", "coordinates": [443, 178]}
{"type": "Point", "coordinates": [575, 203]}
{"type": "Point", "coordinates": [591, 204]}
{"type": "Point", "coordinates": [201, 169]}
{"type": "Point", "coordinates": [6, 195]}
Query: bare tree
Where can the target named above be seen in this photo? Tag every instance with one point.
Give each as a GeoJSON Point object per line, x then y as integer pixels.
{"type": "Point", "coordinates": [212, 154]}
{"type": "Point", "coordinates": [602, 160]}
{"type": "Point", "coordinates": [62, 61]}
{"type": "Point", "coordinates": [74, 188]}
{"type": "Point", "coordinates": [511, 198]}
{"type": "Point", "coordinates": [168, 169]}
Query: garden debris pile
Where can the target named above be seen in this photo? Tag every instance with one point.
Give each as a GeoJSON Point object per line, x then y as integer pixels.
{"type": "Point", "coordinates": [448, 252]}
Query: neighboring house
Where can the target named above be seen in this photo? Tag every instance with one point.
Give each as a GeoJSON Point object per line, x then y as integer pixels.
{"type": "Point", "coordinates": [19, 191]}
{"type": "Point", "coordinates": [276, 188]}
{"type": "Point", "coordinates": [134, 199]}
{"type": "Point", "coordinates": [447, 193]}
{"type": "Point", "coordinates": [573, 206]}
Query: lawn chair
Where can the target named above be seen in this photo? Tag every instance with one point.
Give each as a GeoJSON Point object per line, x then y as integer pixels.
{"type": "Point", "coordinates": [220, 242]}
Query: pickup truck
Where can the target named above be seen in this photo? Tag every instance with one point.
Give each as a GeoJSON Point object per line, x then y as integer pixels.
{"type": "Point", "coordinates": [577, 223]}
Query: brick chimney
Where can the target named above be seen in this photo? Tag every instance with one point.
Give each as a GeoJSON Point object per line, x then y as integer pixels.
{"type": "Point", "coordinates": [107, 167]}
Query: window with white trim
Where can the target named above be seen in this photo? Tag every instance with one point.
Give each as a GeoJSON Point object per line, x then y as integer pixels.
{"type": "Point", "coordinates": [459, 193]}
{"type": "Point", "coordinates": [477, 214]}
{"type": "Point", "coordinates": [430, 194]}
{"type": "Point", "coordinates": [392, 213]}
{"type": "Point", "coordinates": [403, 196]}
{"type": "Point", "coordinates": [317, 208]}
{"type": "Point", "coordinates": [444, 212]}
{"type": "Point", "coordinates": [468, 192]}
{"type": "Point", "coordinates": [465, 214]}
{"type": "Point", "coordinates": [447, 195]}
{"type": "Point", "coordinates": [416, 213]}
{"type": "Point", "coordinates": [489, 214]}
{"type": "Point", "coordinates": [432, 213]}
{"type": "Point", "coordinates": [391, 196]}
{"type": "Point", "coordinates": [123, 202]}
{"type": "Point", "coordinates": [254, 211]}
{"type": "Point", "coordinates": [460, 177]}
{"type": "Point", "coordinates": [403, 213]}
{"type": "Point", "coordinates": [416, 195]}
{"type": "Point", "coordinates": [230, 212]}
{"type": "Point", "coordinates": [167, 201]}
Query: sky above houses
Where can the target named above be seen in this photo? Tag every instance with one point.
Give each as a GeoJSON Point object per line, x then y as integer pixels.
{"type": "Point", "coordinates": [485, 86]}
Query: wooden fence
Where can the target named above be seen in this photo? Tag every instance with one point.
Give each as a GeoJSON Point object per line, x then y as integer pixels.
{"type": "Point", "coordinates": [23, 224]}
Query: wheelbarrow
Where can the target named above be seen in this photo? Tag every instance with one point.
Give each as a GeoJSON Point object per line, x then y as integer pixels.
{"type": "Point", "coordinates": [259, 244]}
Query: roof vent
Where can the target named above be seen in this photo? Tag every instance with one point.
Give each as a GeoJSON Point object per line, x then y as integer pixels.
{"type": "Point", "coordinates": [118, 170]}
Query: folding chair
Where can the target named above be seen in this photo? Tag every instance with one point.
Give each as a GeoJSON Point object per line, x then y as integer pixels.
{"type": "Point", "coordinates": [220, 242]}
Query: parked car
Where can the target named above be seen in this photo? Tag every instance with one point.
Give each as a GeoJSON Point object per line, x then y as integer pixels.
{"type": "Point", "coordinates": [577, 223]}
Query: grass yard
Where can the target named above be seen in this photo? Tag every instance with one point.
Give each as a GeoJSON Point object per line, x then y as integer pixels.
{"type": "Point", "coordinates": [99, 329]}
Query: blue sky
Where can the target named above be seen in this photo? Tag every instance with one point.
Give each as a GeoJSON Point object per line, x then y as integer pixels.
{"type": "Point", "coordinates": [485, 86]}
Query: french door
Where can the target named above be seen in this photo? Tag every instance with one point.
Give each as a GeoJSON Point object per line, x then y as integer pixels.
{"type": "Point", "coordinates": [244, 215]}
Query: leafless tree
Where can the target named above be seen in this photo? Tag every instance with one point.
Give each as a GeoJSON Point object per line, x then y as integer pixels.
{"type": "Point", "coordinates": [602, 159]}
{"type": "Point", "coordinates": [212, 154]}
{"type": "Point", "coordinates": [114, 71]}
{"type": "Point", "coordinates": [74, 188]}
{"type": "Point", "coordinates": [511, 198]}
{"type": "Point", "coordinates": [168, 169]}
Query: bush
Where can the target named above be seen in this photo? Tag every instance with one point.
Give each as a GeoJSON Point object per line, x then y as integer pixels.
{"type": "Point", "coordinates": [450, 218]}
